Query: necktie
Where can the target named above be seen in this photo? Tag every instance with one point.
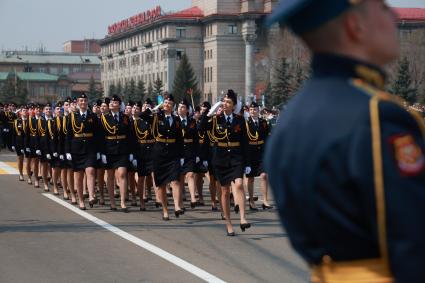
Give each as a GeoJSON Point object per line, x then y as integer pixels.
{"type": "Point", "coordinates": [228, 121]}
{"type": "Point", "coordinates": [169, 120]}
{"type": "Point", "coordinates": [184, 123]}
{"type": "Point", "coordinates": [116, 118]}
{"type": "Point", "coordinates": [83, 117]}
{"type": "Point", "coordinates": [256, 124]}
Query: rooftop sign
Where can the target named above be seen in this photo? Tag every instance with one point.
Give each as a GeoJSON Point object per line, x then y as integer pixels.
{"type": "Point", "coordinates": [136, 20]}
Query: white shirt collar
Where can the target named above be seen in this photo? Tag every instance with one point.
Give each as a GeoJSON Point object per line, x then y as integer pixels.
{"type": "Point", "coordinates": [83, 113]}
{"type": "Point", "coordinates": [231, 116]}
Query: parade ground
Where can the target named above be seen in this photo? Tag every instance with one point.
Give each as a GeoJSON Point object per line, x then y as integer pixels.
{"type": "Point", "coordinates": [46, 239]}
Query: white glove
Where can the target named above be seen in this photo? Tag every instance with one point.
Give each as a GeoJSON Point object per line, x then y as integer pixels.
{"type": "Point", "coordinates": [13, 148]}
{"type": "Point", "coordinates": [104, 159]}
{"type": "Point", "coordinates": [48, 156]}
{"type": "Point", "coordinates": [135, 162]}
{"type": "Point", "coordinates": [22, 151]}
{"type": "Point", "coordinates": [61, 157]}
{"type": "Point", "coordinates": [197, 159]}
{"type": "Point", "coordinates": [5, 130]}
{"type": "Point", "coordinates": [69, 156]}
{"type": "Point", "coordinates": [131, 157]}
{"type": "Point", "coordinates": [55, 154]}
{"type": "Point", "coordinates": [214, 109]}
{"type": "Point", "coordinates": [28, 149]}
{"type": "Point", "coordinates": [98, 156]}
{"type": "Point", "coordinates": [181, 161]}
{"type": "Point", "coordinates": [38, 152]}
{"type": "Point", "coordinates": [205, 163]}
{"type": "Point", "coordinates": [247, 170]}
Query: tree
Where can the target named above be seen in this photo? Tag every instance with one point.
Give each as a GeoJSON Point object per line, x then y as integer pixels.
{"type": "Point", "coordinates": [112, 90]}
{"type": "Point", "coordinates": [157, 89]}
{"type": "Point", "coordinates": [268, 96]}
{"type": "Point", "coordinates": [8, 91]}
{"type": "Point", "coordinates": [282, 86]}
{"type": "Point", "coordinates": [402, 86]}
{"type": "Point", "coordinates": [131, 94]}
{"type": "Point", "coordinates": [184, 81]}
{"type": "Point", "coordinates": [150, 91]}
{"type": "Point", "coordinates": [21, 93]}
{"type": "Point", "coordinates": [125, 91]}
{"type": "Point", "coordinates": [140, 91]}
{"type": "Point", "coordinates": [299, 78]}
{"type": "Point", "coordinates": [118, 90]}
{"type": "Point", "coordinates": [92, 93]}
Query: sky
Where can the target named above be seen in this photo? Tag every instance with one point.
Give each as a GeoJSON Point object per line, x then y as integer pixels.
{"type": "Point", "coordinates": [49, 23]}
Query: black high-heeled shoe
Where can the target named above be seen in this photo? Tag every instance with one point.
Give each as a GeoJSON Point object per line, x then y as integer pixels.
{"type": "Point", "coordinates": [230, 234]}
{"type": "Point", "coordinates": [113, 208]}
{"type": "Point", "coordinates": [158, 204]}
{"type": "Point", "coordinates": [143, 209]}
{"type": "Point", "coordinates": [165, 218]}
{"type": "Point", "coordinates": [125, 209]}
{"type": "Point", "coordinates": [222, 217]}
{"type": "Point", "coordinates": [236, 208]}
{"type": "Point", "coordinates": [177, 213]}
{"type": "Point", "coordinates": [252, 208]}
{"type": "Point", "coordinates": [214, 208]}
{"type": "Point", "coordinates": [82, 208]}
{"type": "Point", "coordinates": [193, 204]}
{"type": "Point", "coordinates": [92, 202]}
{"type": "Point", "coordinates": [74, 202]}
{"type": "Point", "coordinates": [245, 226]}
{"type": "Point", "coordinates": [267, 206]}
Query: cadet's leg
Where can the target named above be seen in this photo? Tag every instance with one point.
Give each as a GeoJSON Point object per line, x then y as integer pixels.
{"type": "Point", "coordinates": [21, 167]}
{"type": "Point", "coordinates": [55, 177]}
{"type": "Point", "coordinates": [199, 183]}
{"type": "Point", "coordinates": [213, 191]}
{"type": "Point", "coordinates": [191, 184]}
{"type": "Point", "coordinates": [78, 182]}
{"type": "Point", "coordinates": [28, 169]}
{"type": "Point", "coordinates": [35, 170]}
{"type": "Point", "coordinates": [225, 204]}
{"type": "Point", "coordinates": [64, 182]}
{"type": "Point", "coordinates": [141, 190]}
{"type": "Point", "coordinates": [264, 190]}
{"type": "Point", "coordinates": [91, 183]}
{"type": "Point", "coordinates": [71, 187]}
{"type": "Point", "coordinates": [101, 184]}
{"type": "Point", "coordinates": [44, 172]}
{"type": "Point", "coordinates": [132, 187]}
{"type": "Point", "coordinates": [110, 184]}
{"type": "Point", "coordinates": [239, 194]}
{"type": "Point", "coordinates": [162, 192]}
{"type": "Point", "coordinates": [175, 187]}
{"type": "Point", "coordinates": [250, 186]}
{"type": "Point", "coordinates": [121, 176]}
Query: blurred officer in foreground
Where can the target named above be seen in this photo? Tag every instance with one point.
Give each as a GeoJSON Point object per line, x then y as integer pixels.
{"type": "Point", "coordinates": [348, 175]}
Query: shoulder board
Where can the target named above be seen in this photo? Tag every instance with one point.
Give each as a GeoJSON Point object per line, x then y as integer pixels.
{"type": "Point", "coordinates": [377, 93]}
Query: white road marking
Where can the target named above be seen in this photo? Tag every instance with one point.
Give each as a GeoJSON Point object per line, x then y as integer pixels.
{"type": "Point", "coordinates": [208, 277]}
{"type": "Point", "coordinates": [8, 169]}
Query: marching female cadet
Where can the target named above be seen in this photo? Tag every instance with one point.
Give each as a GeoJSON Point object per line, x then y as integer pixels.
{"type": "Point", "coordinates": [229, 162]}
{"type": "Point", "coordinates": [10, 119]}
{"type": "Point", "coordinates": [32, 145]}
{"type": "Point", "coordinates": [116, 151]}
{"type": "Point", "coordinates": [258, 131]}
{"type": "Point", "coordinates": [132, 166]}
{"type": "Point", "coordinates": [144, 143]}
{"type": "Point", "coordinates": [55, 148]}
{"type": "Point", "coordinates": [82, 146]}
{"type": "Point", "coordinates": [44, 142]}
{"type": "Point", "coordinates": [18, 139]}
{"type": "Point", "coordinates": [168, 154]}
{"type": "Point", "coordinates": [100, 167]}
{"type": "Point", "coordinates": [190, 151]}
{"type": "Point", "coordinates": [67, 174]}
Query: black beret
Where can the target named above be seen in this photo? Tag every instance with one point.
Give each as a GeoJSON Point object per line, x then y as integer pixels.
{"type": "Point", "coordinates": [206, 104]}
{"type": "Point", "coordinates": [74, 99]}
{"type": "Point", "coordinates": [68, 99]}
{"type": "Point", "coordinates": [107, 100]}
{"type": "Point", "coordinates": [130, 103]}
{"type": "Point", "coordinates": [148, 101]}
{"type": "Point", "coordinates": [59, 104]}
{"type": "Point", "coordinates": [184, 102]}
{"type": "Point", "coordinates": [138, 104]}
{"type": "Point", "coordinates": [116, 98]}
{"type": "Point", "coordinates": [48, 105]}
{"type": "Point", "coordinates": [197, 109]}
{"type": "Point", "coordinates": [253, 104]}
{"type": "Point", "coordinates": [169, 97]}
{"type": "Point", "coordinates": [232, 95]}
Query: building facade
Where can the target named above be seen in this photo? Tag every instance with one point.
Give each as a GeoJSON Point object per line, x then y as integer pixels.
{"type": "Point", "coordinates": [50, 75]}
{"type": "Point", "coordinates": [85, 46]}
{"type": "Point", "coordinates": [220, 38]}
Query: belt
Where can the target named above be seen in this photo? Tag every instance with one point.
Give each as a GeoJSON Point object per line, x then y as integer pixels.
{"type": "Point", "coordinates": [166, 140]}
{"type": "Point", "coordinates": [32, 135]}
{"type": "Point", "coordinates": [43, 135]}
{"type": "Point", "coordinates": [355, 271]}
{"type": "Point", "coordinates": [201, 141]}
{"type": "Point", "coordinates": [146, 141]}
{"type": "Point", "coordinates": [229, 144]}
{"type": "Point", "coordinates": [188, 140]}
{"type": "Point", "coordinates": [85, 135]}
{"type": "Point", "coordinates": [116, 137]}
{"type": "Point", "coordinates": [256, 143]}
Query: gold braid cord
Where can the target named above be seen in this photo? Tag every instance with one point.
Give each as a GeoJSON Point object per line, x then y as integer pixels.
{"type": "Point", "coordinates": [15, 123]}
{"type": "Point", "coordinates": [76, 129]}
{"type": "Point", "coordinates": [139, 134]}
{"type": "Point", "coordinates": [155, 129]}
{"type": "Point", "coordinates": [58, 124]}
{"type": "Point", "coordinates": [64, 129]}
{"type": "Point", "coordinates": [221, 135]}
{"type": "Point", "coordinates": [33, 131]}
{"type": "Point", "coordinates": [49, 126]}
{"type": "Point", "coordinates": [41, 130]}
{"type": "Point", "coordinates": [110, 129]}
{"type": "Point", "coordinates": [250, 135]}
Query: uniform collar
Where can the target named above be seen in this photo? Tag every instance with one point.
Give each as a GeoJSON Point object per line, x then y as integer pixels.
{"type": "Point", "coordinates": [231, 116]}
{"type": "Point", "coordinates": [331, 65]}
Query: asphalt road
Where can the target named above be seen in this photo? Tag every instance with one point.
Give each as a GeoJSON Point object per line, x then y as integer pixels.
{"type": "Point", "coordinates": [43, 241]}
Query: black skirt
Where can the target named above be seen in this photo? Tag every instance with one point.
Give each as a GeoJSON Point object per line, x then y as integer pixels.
{"type": "Point", "coordinates": [82, 161]}
{"type": "Point", "coordinates": [227, 174]}
{"type": "Point", "coordinates": [115, 161]}
{"type": "Point", "coordinates": [55, 162]}
{"type": "Point", "coordinates": [144, 167]}
{"type": "Point", "coordinates": [166, 171]}
{"type": "Point", "coordinates": [188, 166]}
{"type": "Point", "coordinates": [65, 164]}
{"type": "Point", "coordinates": [256, 169]}
{"type": "Point", "coordinates": [200, 168]}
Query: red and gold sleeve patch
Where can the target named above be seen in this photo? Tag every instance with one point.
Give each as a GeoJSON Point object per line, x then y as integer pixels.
{"type": "Point", "coordinates": [408, 155]}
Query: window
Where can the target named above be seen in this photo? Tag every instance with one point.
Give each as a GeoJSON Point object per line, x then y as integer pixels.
{"type": "Point", "coordinates": [179, 54]}
{"type": "Point", "coordinates": [180, 32]}
{"type": "Point", "coordinates": [54, 70]}
{"type": "Point", "coordinates": [65, 70]}
{"type": "Point", "coordinates": [41, 91]}
{"type": "Point", "coordinates": [232, 29]}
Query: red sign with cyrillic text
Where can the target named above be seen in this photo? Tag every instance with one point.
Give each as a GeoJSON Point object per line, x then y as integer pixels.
{"type": "Point", "coordinates": [137, 20]}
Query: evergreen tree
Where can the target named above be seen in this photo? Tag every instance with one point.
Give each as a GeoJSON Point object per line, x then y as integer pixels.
{"type": "Point", "coordinates": [282, 86]}
{"type": "Point", "coordinates": [268, 96]}
{"type": "Point", "coordinates": [21, 93]}
{"type": "Point", "coordinates": [92, 93]}
{"type": "Point", "coordinates": [8, 91]}
{"type": "Point", "coordinates": [299, 78]}
{"type": "Point", "coordinates": [118, 89]}
{"type": "Point", "coordinates": [125, 92]}
{"type": "Point", "coordinates": [132, 91]}
{"type": "Point", "coordinates": [150, 91]}
{"type": "Point", "coordinates": [185, 81]}
{"type": "Point", "coordinates": [112, 90]}
{"type": "Point", "coordinates": [140, 91]}
{"type": "Point", "coordinates": [157, 89]}
{"type": "Point", "coordinates": [402, 86]}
